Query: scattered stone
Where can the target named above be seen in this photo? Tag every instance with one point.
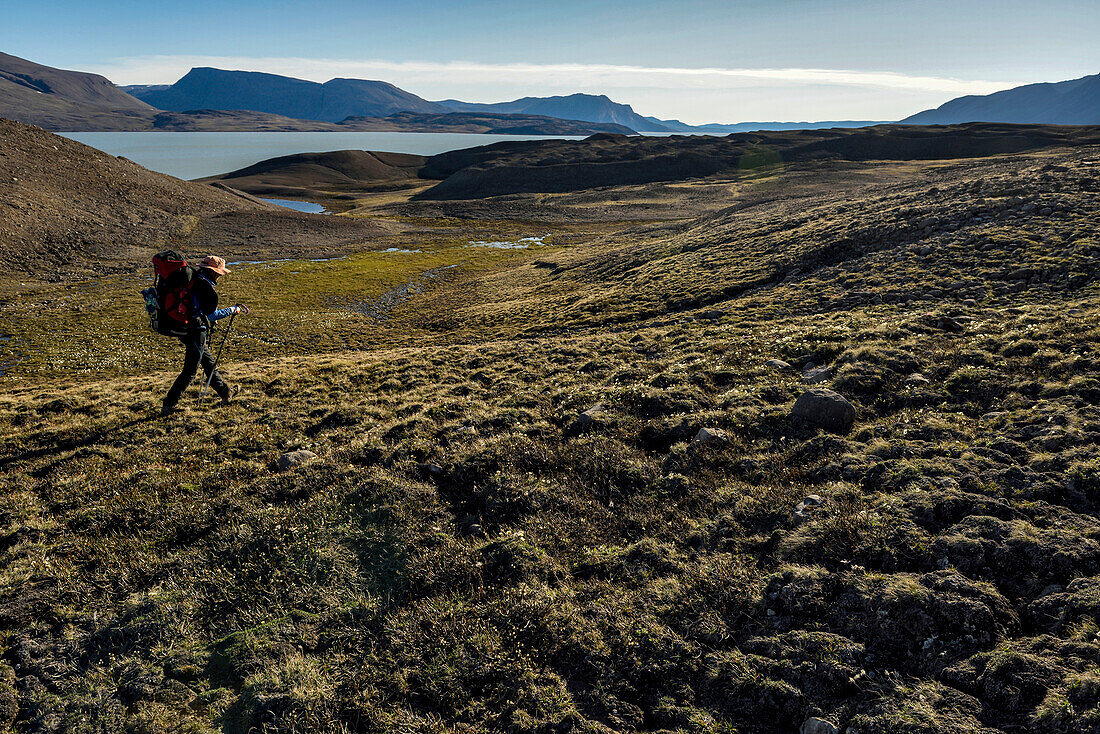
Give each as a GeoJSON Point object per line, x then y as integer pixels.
{"type": "Point", "coordinates": [817, 375]}
{"type": "Point", "coordinates": [811, 500]}
{"type": "Point", "coordinates": [826, 409]}
{"type": "Point", "coordinates": [777, 364]}
{"type": "Point", "coordinates": [814, 725]}
{"type": "Point", "coordinates": [589, 420]}
{"type": "Point", "coordinates": [709, 436]}
{"type": "Point", "coordinates": [916, 379]}
{"type": "Point", "coordinates": [430, 471]}
{"type": "Point", "coordinates": [945, 323]}
{"type": "Point", "coordinates": [291, 459]}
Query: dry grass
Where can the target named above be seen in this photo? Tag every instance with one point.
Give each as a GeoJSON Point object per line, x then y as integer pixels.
{"type": "Point", "coordinates": [463, 557]}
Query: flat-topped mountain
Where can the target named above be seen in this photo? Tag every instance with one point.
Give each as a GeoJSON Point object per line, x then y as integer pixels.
{"type": "Point", "coordinates": [1073, 102]}
{"type": "Point", "coordinates": [335, 100]}
{"type": "Point", "coordinates": [61, 99]}
{"type": "Point", "coordinates": [588, 107]}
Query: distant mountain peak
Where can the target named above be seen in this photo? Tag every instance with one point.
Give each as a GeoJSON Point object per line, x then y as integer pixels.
{"type": "Point", "coordinates": [576, 106]}
{"type": "Point", "coordinates": [1072, 102]}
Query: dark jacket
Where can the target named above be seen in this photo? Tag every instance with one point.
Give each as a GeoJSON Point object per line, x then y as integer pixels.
{"type": "Point", "coordinates": [205, 298]}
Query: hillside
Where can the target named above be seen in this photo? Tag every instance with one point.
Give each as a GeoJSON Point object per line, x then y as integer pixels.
{"type": "Point", "coordinates": [563, 165]}
{"type": "Point", "coordinates": [333, 101]}
{"type": "Point", "coordinates": [301, 175]}
{"type": "Point", "coordinates": [1074, 102]}
{"type": "Point", "coordinates": [806, 447]}
{"type": "Point", "coordinates": [68, 210]}
{"type": "Point", "coordinates": [63, 203]}
{"type": "Point", "coordinates": [64, 100]}
{"type": "Point", "coordinates": [588, 107]}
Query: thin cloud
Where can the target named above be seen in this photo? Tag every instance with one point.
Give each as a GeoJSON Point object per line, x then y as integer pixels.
{"type": "Point", "coordinates": [165, 69]}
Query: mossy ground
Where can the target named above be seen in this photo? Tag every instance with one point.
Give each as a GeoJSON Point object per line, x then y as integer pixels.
{"type": "Point", "coordinates": [463, 557]}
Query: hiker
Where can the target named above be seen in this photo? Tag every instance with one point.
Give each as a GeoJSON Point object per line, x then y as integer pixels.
{"type": "Point", "coordinates": [204, 308]}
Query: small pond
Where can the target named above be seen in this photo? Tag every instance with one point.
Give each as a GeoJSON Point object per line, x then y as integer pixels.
{"type": "Point", "coordinates": [301, 206]}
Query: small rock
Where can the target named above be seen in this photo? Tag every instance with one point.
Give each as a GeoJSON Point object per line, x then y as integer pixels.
{"type": "Point", "coordinates": [916, 379]}
{"type": "Point", "coordinates": [777, 364]}
{"type": "Point", "coordinates": [291, 459]}
{"type": "Point", "coordinates": [825, 408]}
{"type": "Point", "coordinates": [814, 725]}
{"type": "Point", "coordinates": [709, 436]}
{"type": "Point", "coordinates": [589, 420]}
{"type": "Point", "coordinates": [949, 324]}
{"type": "Point", "coordinates": [817, 375]}
{"type": "Point", "coordinates": [814, 499]}
{"type": "Point", "coordinates": [430, 471]}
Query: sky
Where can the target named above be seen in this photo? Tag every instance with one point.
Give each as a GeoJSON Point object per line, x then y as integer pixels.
{"type": "Point", "coordinates": [693, 60]}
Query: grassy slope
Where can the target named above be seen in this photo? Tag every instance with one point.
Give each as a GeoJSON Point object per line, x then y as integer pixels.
{"type": "Point", "coordinates": [460, 559]}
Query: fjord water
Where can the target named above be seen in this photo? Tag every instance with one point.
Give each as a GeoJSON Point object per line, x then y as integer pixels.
{"type": "Point", "coordinates": [196, 154]}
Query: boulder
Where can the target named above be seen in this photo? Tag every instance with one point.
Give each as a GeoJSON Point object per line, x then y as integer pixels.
{"type": "Point", "coordinates": [826, 409]}
{"type": "Point", "coordinates": [814, 725]}
{"type": "Point", "coordinates": [291, 459]}
{"type": "Point", "coordinates": [707, 436]}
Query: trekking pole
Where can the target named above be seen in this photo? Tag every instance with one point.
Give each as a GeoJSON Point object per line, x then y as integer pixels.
{"type": "Point", "coordinates": [217, 358]}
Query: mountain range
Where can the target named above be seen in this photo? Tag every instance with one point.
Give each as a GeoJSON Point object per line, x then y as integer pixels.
{"type": "Point", "coordinates": [217, 99]}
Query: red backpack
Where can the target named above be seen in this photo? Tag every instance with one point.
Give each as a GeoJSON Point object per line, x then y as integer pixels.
{"type": "Point", "coordinates": [169, 301]}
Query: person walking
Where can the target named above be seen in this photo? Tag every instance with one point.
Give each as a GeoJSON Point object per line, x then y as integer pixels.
{"type": "Point", "coordinates": [204, 308]}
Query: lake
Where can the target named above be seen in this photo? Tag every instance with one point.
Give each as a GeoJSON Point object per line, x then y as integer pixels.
{"type": "Point", "coordinates": [194, 154]}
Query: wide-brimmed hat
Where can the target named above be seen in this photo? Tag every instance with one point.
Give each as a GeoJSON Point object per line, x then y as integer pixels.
{"type": "Point", "coordinates": [215, 263]}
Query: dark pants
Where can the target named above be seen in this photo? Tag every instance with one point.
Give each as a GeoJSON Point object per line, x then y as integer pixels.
{"type": "Point", "coordinates": [191, 359]}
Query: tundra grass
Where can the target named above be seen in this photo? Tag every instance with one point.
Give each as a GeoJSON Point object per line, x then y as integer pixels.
{"type": "Point", "coordinates": [465, 553]}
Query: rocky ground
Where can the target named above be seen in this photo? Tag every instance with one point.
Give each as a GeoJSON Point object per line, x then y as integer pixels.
{"type": "Point", "coordinates": [812, 447]}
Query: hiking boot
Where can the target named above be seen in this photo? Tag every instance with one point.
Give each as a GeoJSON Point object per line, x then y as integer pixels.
{"type": "Point", "coordinates": [167, 410]}
{"type": "Point", "coordinates": [230, 394]}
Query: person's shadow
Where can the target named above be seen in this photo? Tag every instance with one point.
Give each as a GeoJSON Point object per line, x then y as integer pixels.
{"type": "Point", "coordinates": [68, 444]}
